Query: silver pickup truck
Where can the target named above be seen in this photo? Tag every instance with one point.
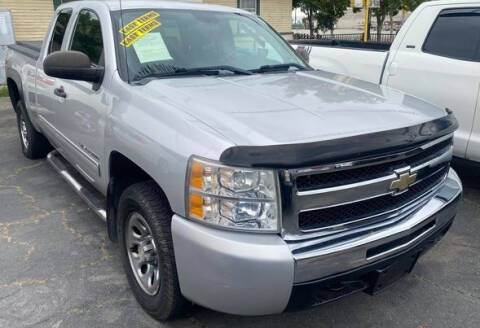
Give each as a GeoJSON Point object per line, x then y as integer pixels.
{"type": "Point", "coordinates": [231, 173]}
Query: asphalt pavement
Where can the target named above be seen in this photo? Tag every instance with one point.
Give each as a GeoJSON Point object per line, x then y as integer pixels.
{"type": "Point", "coordinates": [58, 268]}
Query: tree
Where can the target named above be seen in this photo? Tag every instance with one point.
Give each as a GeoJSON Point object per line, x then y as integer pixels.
{"type": "Point", "coordinates": [322, 14]}
{"type": "Point", "coordinates": [387, 8]}
{"type": "Point", "coordinates": [393, 7]}
{"type": "Point", "coordinates": [411, 5]}
{"type": "Point", "coordinates": [309, 7]}
{"type": "Point", "coordinates": [329, 12]}
{"type": "Point", "coordinates": [305, 23]}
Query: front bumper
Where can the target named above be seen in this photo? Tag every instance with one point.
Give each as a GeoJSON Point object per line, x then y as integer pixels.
{"type": "Point", "coordinates": [255, 274]}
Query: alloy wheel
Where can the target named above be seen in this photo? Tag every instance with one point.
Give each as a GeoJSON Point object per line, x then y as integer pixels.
{"type": "Point", "coordinates": [24, 133]}
{"type": "Point", "coordinates": [143, 253]}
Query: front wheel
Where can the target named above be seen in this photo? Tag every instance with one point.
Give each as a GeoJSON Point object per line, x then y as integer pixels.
{"type": "Point", "coordinates": [147, 250]}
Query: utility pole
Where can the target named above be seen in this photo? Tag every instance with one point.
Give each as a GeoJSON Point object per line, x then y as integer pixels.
{"type": "Point", "coordinates": [366, 26]}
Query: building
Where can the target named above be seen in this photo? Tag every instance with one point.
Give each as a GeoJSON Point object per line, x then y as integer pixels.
{"type": "Point", "coordinates": [277, 13]}
{"type": "Point", "coordinates": [31, 17]}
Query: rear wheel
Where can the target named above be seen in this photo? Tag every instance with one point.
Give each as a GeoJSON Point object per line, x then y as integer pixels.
{"type": "Point", "coordinates": [144, 219]}
{"type": "Point", "coordinates": [34, 144]}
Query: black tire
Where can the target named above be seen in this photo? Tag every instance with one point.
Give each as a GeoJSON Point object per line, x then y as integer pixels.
{"type": "Point", "coordinates": [147, 199]}
{"type": "Point", "coordinates": [34, 144]}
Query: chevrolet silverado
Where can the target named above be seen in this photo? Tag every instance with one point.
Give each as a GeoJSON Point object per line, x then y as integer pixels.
{"type": "Point", "coordinates": [231, 173]}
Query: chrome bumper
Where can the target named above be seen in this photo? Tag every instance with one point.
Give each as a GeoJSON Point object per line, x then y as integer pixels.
{"type": "Point", "coordinates": [353, 253]}
{"type": "Point", "coordinates": [253, 274]}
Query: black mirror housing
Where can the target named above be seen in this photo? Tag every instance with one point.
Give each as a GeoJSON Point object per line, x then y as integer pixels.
{"type": "Point", "coordinates": [72, 65]}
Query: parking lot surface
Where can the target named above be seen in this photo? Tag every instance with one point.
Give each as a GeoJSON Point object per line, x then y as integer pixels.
{"type": "Point", "coordinates": [58, 268]}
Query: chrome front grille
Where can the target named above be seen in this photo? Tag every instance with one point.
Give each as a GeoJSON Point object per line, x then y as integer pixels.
{"type": "Point", "coordinates": [329, 199]}
{"type": "Point", "coordinates": [364, 173]}
{"type": "Point", "coordinates": [370, 208]}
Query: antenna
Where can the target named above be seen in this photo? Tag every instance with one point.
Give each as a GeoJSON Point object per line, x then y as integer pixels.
{"type": "Point", "coordinates": [124, 48]}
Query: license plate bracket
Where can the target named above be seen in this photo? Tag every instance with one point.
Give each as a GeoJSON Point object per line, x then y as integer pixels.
{"type": "Point", "coordinates": [385, 277]}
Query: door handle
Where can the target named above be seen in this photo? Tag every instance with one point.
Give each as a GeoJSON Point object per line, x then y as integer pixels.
{"type": "Point", "coordinates": [60, 92]}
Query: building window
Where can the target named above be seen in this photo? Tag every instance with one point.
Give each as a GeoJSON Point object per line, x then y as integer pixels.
{"type": "Point", "coordinates": [252, 6]}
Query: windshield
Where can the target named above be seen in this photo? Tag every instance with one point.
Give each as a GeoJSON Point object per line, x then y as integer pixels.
{"type": "Point", "coordinates": [159, 42]}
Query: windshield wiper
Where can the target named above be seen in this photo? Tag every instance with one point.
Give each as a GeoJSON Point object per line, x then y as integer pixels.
{"type": "Point", "coordinates": [278, 67]}
{"type": "Point", "coordinates": [210, 70]}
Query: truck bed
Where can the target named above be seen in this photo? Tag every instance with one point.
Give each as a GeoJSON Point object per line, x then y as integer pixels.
{"type": "Point", "coordinates": [374, 46]}
{"type": "Point", "coordinates": [28, 48]}
{"type": "Point", "coordinates": [363, 63]}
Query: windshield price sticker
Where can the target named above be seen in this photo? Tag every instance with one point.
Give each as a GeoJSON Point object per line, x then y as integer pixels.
{"type": "Point", "coordinates": [151, 48]}
{"type": "Point", "coordinates": [139, 33]}
{"type": "Point", "coordinates": [138, 22]}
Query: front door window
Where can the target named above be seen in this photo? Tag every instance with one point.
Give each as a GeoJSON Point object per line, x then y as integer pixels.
{"type": "Point", "coordinates": [87, 37]}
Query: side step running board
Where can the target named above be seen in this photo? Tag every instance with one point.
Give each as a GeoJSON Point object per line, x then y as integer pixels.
{"type": "Point", "coordinates": [84, 189]}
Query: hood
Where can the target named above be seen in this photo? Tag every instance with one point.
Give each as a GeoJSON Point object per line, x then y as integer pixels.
{"type": "Point", "coordinates": [293, 107]}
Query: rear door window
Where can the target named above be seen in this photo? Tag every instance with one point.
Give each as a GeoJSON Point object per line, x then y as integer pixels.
{"type": "Point", "coordinates": [59, 31]}
{"type": "Point", "coordinates": [455, 34]}
{"type": "Point", "coordinates": [87, 37]}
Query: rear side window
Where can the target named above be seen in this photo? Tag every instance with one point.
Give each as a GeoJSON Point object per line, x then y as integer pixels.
{"type": "Point", "coordinates": [87, 37]}
{"type": "Point", "coordinates": [455, 34]}
{"type": "Point", "coordinates": [59, 31]}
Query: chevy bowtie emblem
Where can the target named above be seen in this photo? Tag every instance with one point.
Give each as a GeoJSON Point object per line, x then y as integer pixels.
{"type": "Point", "coordinates": [405, 180]}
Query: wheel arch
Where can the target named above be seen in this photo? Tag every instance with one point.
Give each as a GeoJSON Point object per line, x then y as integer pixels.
{"type": "Point", "coordinates": [118, 165]}
{"type": "Point", "coordinates": [14, 92]}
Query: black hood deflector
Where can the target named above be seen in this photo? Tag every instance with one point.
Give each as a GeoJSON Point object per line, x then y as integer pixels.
{"type": "Point", "coordinates": [335, 150]}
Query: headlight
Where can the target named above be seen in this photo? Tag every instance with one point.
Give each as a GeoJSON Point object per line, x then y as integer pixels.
{"type": "Point", "coordinates": [231, 197]}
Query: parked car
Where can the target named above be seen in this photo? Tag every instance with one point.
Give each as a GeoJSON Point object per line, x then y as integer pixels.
{"type": "Point", "coordinates": [231, 174]}
{"type": "Point", "coordinates": [435, 56]}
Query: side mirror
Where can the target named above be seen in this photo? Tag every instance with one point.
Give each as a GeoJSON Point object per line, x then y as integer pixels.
{"type": "Point", "coordinates": [72, 65]}
{"type": "Point", "coordinates": [304, 52]}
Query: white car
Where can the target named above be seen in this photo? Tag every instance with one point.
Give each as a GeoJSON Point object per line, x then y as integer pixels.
{"type": "Point", "coordinates": [435, 56]}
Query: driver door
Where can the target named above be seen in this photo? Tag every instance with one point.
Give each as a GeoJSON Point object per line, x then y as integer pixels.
{"type": "Point", "coordinates": [82, 119]}
{"type": "Point", "coordinates": [48, 103]}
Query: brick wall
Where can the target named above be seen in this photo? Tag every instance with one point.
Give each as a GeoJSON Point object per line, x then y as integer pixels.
{"type": "Point", "coordinates": [30, 17]}
{"type": "Point", "coordinates": [277, 13]}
